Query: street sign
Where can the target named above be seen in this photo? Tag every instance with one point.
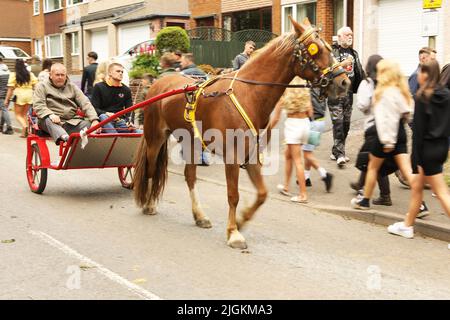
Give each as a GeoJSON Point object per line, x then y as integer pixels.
{"type": "Point", "coordinates": [430, 23]}
{"type": "Point", "coordinates": [432, 4]}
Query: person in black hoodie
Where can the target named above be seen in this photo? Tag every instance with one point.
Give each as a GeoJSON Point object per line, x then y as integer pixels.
{"type": "Point", "coordinates": [431, 129]}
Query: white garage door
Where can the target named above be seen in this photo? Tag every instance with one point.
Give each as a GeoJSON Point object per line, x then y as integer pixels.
{"type": "Point", "coordinates": [131, 35]}
{"type": "Point", "coordinates": [99, 44]}
{"type": "Point", "coordinates": [399, 33]}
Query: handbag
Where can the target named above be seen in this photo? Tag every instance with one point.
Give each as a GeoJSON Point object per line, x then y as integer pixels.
{"type": "Point", "coordinates": [362, 161]}
{"type": "Point", "coordinates": [314, 138]}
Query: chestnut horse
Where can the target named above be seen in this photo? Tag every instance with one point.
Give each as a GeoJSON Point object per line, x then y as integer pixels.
{"type": "Point", "coordinates": [302, 53]}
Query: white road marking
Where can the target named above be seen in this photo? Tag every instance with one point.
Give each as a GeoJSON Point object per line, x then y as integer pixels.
{"type": "Point", "coordinates": [144, 294]}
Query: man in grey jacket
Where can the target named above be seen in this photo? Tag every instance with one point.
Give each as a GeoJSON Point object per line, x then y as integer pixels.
{"type": "Point", "coordinates": [242, 58]}
{"type": "Point", "coordinates": [56, 102]}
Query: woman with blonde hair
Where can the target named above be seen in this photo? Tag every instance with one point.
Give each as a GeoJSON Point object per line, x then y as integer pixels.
{"type": "Point", "coordinates": [431, 129]}
{"type": "Point", "coordinates": [392, 106]}
{"type": "Point", "coordinates": [21, 82]}
{"type": "Point", "coordinates": [298, 107]}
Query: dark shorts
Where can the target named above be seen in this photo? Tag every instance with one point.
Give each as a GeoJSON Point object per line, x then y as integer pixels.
{"type": "Point", "coordinates": [435, 154]}
{"type": "Point", "coordinates": [400, 147]}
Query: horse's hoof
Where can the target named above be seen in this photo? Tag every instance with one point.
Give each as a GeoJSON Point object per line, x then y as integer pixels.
{"type": "Point", "coordinates": [149, 211]}
{"type": "Point", "coordinates": [204, 223]}
{"type": "Point", "coordinates": [237, 241]}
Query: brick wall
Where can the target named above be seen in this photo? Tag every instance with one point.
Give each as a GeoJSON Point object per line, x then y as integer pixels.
{"type": "Point", "coordinates": [25, 46]}
{"type": "Point", "coordinates": [15, 19]}
{"type": "Point", "coordinates": [233, 5]}
{"type": "Point", "coordinates": [325, 18]}
{"type": "Point", "coordinates": [200, 8]}
{"type": "Point", "coordinates": [276, 16]}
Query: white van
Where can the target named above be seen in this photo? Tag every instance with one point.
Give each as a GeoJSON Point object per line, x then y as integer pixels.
{"type": "Point", "coordinates": [13, 53]}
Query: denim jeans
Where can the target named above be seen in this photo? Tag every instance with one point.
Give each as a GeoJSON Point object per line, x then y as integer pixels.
{"type": "Point", "coordinates": [4, 114]}
{"type": "Point", "coordinates": [118, 125]}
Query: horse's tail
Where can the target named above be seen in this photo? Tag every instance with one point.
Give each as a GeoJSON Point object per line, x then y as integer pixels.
{"type": "Point", "coordinates": [140, 181]}
{"type": "Point", "coordinates": [142, 175]}
{"type": "Point", "coordinates": [160, 173]}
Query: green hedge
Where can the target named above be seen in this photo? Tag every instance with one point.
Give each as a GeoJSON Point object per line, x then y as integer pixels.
{"type": "Point", "coordinates": [172, 39]}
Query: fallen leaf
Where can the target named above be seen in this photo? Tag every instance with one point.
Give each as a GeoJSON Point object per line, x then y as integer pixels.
{"type": "Point", "coordinates": [139, 281]}
{"type": "Point", "coordinates": [9, 241]}
{"type": "Point", "coordinates": [85, 268]}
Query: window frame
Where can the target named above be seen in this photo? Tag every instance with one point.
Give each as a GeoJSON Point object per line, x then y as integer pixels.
{"type": "Point", "coordinates": [38, 7]}
{"type": "Point", "coordinates": [69, 3]}
{"type": "Point", "coordinates": [294, 7]}
{"type": "Point", "coordinates": [47, 46]}
{"type": "Point", "coordinates": [46, 10]}
{"type": "Point", "coordinates": [72, 40]}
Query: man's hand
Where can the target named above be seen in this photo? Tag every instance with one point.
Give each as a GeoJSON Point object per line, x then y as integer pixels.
{"type": "Point", "coordinates": [94, 123]}
{"type": "Point", "coordinates": [55, 119]}
{"type": "Point", "coordinates": [347, 62]}
{"type": "Point", "coordinates": [109, 114]}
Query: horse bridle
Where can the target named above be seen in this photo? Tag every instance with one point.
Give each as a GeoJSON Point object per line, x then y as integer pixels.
{"type": "Point", "coordinates": [305, 51]}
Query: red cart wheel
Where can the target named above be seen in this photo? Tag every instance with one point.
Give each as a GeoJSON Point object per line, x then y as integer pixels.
{"type": "Point", "coordinates": [126, 176]}
{"type": "Point", "coordinates": [37, 176]}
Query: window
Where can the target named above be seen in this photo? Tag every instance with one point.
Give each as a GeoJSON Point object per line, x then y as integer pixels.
{"type": "Point", "coordinates": [36, 7]}
{"type": "Point", "coordinates": [338, 13]}
{"type": "Point", "coordinates": [52, 5]}
{"type": "Point", "coordinates": [53, 46]}
{"type": "Point", "coordinates": [260, 19]}
{"type": "Point", "coordinates": [74, 2]}
{"type": "Point", "coordinates": [38, 47]}
{"type": "Point", "coordinates": [75, 44]}
{"type": "Point", "coordinates": [298, 12]}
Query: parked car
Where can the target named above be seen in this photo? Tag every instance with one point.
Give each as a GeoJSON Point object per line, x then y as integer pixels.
{"type": "Point", "coordinates": [127, 57]}
{"type": "Point", "coordinates": [13, 53]}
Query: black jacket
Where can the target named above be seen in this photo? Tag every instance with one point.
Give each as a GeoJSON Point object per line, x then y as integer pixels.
{"type": "Point", "coordinates": [339, 53]}
{"type": "Point", "coordinates": [88, 78]}
{"type": "Point", "coordinates": [431, 122]}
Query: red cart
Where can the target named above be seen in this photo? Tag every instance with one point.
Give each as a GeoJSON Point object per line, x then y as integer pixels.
{"type": "Point", "coordinates": [106, 150]}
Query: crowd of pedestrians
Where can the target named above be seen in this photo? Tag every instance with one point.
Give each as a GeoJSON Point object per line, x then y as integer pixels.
{"type": "Point", "coordinates": [392, 105]}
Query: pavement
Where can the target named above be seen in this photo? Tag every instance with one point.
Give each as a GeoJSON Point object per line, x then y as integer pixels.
{"type": "Point", "coordinates": [84, 238]}
{"type": "Point", "coordinates": [435, 225]}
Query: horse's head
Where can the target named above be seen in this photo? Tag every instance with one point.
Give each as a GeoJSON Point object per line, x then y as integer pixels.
{"type": "Point", "coordinates": [314, 61]}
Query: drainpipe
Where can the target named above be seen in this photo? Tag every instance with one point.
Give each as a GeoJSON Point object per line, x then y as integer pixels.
{"type": "Point", "coordinates": [361, 29]}
{"type": "Point", "coordinates": [82, 46]}
{"type": "Point", "coordinates": [345, 7]}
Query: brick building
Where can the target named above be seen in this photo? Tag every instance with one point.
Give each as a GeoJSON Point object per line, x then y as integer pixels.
{"type": "Point", "coordinates": [47, 16]}
{"type": "Point", "coordinates": [271, 15]}
{"type": "Point", "coordinates": [15, 27]}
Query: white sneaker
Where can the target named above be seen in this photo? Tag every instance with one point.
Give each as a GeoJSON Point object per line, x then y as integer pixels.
{"type": "Point", "coordinates": [399, 229]}
{"type": "Point", "coordinates": [332, 157]}
{"type": "Point", "coordinates": [340, 161]}
{"type": "Point", "coordinates": [347, 159]}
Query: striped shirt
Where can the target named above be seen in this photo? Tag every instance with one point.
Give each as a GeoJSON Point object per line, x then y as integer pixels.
{"type": "Point", "coordinates": [3, 85]}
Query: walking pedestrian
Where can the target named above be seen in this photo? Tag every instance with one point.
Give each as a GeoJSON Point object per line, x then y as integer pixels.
{"type": "Point", "coordinates": [425, 55]}
{"type": "Point", "coordinates": [392, 106]}
{"type": "Point", "coordinates": [242, 57]}
{"type": "Point", "coordinates": [297, 104]}
{"type": "Point", "coordinates": [45, 73]}
{"type": "Point", "coordinates": [4, 113]}
{"type": "Point", "coordinates": [341, 108]}
{"type": "Point", "coordinates": [318, 125]}
{"type": "Point", "coordinates": [21, 82]}
{"type": "Point", "coordinates": [88, 78]}
{"type": "Point", "coordinates": [364, 98]}
{"type": "Point", "coordinates": [431, 129]}
{"type": "Point", "coordinates": [35, 66]}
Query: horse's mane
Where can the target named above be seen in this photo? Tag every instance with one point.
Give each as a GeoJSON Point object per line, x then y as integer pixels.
{"type": "Point", "coordinates": [281, 44]}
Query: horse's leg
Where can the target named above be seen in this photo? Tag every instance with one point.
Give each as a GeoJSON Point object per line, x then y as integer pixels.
{"type": "Point", "coordinates": [152, 156]}
{"type": "Point", "coordinates": [235, 239]}
{"type": "Point", "coordinates": [254, 172]}
{"type": "Point", "coordinates": [201, 220]}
